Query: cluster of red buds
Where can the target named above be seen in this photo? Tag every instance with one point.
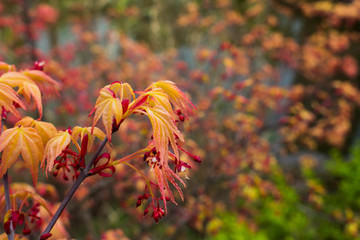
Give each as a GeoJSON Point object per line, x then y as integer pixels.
{"type": "Point", "coordinates": [141, 198]}
{"type": "Point", "coordinates": [70, 161]}
{"type": "Point", "coordinates": [34, 215]}
{"type": "Point", "coordinates": [158, 212]}
{"type": "Point", "coordinates": [73, 162]}
{"type": "Point", "coordinates": [18, 218]}
{"type": "Point", "coordinates": [39, 65]}
{"type": "Point", "coordinates": [15, 218]}
{"type": "Point", "coordinates": [67, 164]}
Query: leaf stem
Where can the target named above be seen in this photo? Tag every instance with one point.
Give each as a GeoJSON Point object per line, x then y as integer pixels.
{"type": "Point", "coordinates": [84, 174]}
{"type": "Point", "coordinates": [7, 203]}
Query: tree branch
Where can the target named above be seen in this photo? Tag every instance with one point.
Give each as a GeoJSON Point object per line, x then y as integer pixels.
{"type": "Point", "coordinates": [11, 235]}
{"type": "Point", "coordinates": [84, 174]}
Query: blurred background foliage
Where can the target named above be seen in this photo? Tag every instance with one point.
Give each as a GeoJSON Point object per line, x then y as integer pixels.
{"type": "Point", "coordinates": [276, 84]}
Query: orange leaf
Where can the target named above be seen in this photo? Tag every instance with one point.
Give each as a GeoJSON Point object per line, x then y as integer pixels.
{"type": "Point", "coordinates": [25, 86]}
{"type": "Point", "coordinates": [122, 90]}
{"type": "Point", "coordinates": [177, 98]}
{"type": "Point", "coordinates": [25, 141]}
{"type": "Point", "coordinates": [161, 99]}
{"type": "Point", "coordinates": [4, 67]}
{"type": "Point", "coordinates": [163, 176]}
{"type": "Point", "coordinates": [7, 97]}
{"type": "Point", "coordinates": [108, 107]}
{"type": "Point", "coordinates": [44, 81]}
{"type": "Point", "coordinates": [54, 147]}
{"type": "Point", "coordinates": [164, 129]}
{"type": "Point", "coordinates": [4, 236]}
{"type": "Point", "coordinates": [45, 130]}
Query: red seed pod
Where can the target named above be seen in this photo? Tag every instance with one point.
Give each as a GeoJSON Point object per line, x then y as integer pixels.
{"type": "Point", "coordinates": [146, 211]}
{"type": "Point", "coordinates": [197, 159]}
{"type": "Point", "coordinates": [26, 231]}
{"type": "Point", "coordinates": [45, 236]}
{"type": "Point", "coordinates": [21, 219]}
{"type": "Point", "coordinates": [65, 177]}
{"type": "Point", "coordinates": [138, 203]}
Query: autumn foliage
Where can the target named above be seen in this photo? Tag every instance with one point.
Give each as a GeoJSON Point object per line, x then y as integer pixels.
{"type": "Point", "coordinates": [40, 142]}
{"type": "Point", "coordinates": [275, 85]}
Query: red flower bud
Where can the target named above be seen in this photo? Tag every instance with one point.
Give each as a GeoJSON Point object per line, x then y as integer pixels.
{"type": "Point", "coordinates": [66, 178]}
{"type": "Point", "coordinates": [146, 211]}
{"type": "Point", "coordinates": [26, 231]}
{"type": "Point", "coordinates": [39, 65]}
{"type": "Point", "coordinates": [45, 236]}
{"type": "Point", "coordinates": [197, 159]}
{"type": "Point", "coordinates": [138, 203]}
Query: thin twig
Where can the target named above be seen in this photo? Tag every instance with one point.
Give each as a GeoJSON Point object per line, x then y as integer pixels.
{"type": "Point", "coordinates": [11, 235]}
{"type": "Point", "coordinates": [7, 203]}
{"type": "Point", "coordinates": [84, 174]}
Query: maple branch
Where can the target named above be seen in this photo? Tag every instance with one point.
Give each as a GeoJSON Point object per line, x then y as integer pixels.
{"type": "Point", "coordinates": [11, 235]}
{"type": "Point", "coordinates": [7, 203]}
{"type": "Point", "coordinates": [84, 174]}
